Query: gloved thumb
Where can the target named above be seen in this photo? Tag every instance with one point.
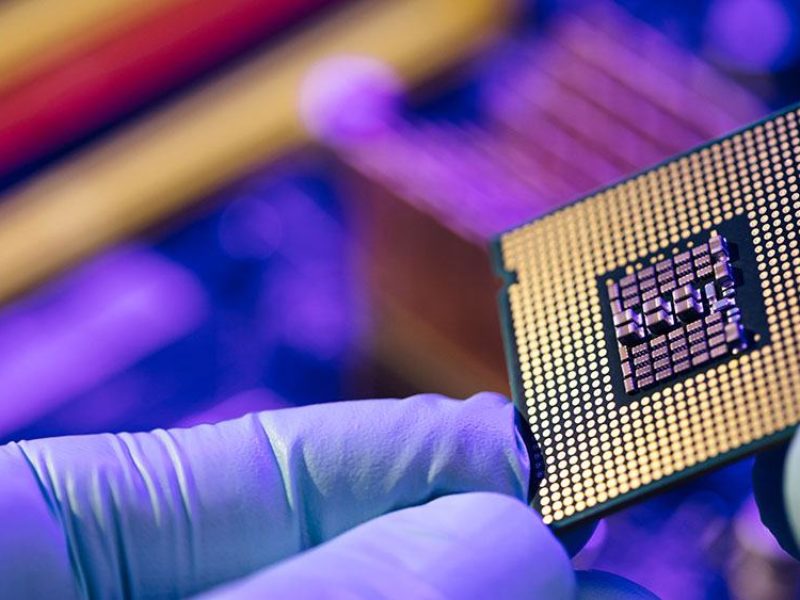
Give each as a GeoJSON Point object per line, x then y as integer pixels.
{"type": "Point", "coordinates": [476, 545]}
{"type": "Point", "coordinates": [776, 483]}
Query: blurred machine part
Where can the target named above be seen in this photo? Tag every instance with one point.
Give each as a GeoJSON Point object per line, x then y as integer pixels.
{"type": "Point", "coordinates": [598, 96]}
{"type": "Point", "coordinates": [278, 290]}
{"type": "Point", "coordinates": [595, 97]}
{"type": "Point", "coordinates": [759, 568]}
{"type": "Point", "coordinates": [252, 305]}
{"type": "Point", "coordinates": [166, 161]}
{"type": "Point", "coordinates": [105, 318]}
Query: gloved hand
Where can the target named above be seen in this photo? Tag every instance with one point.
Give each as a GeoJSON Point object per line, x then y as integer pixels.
{"type": "Point", "coordinates": [417, 498]}
{"type": "Point", "coordinates": [776, 483]}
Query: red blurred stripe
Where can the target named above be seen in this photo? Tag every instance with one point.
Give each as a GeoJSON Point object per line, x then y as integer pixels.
{"type": "Point", "coordinates": [94, 85]}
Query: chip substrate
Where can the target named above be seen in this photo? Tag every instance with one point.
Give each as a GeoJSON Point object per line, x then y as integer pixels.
{"type": "Point", "coordinates": [653, 328]}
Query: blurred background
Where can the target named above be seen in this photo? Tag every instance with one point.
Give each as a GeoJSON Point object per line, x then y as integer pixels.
{"type": "Point", "coordinates": [211, 207]}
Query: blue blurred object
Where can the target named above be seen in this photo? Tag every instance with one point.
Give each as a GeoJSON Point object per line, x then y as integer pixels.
{"type": "Point", "coordinates": [256, 295]}
{"type": "Point", "coordinates": [174, 513]}
{"type": "Point", "coordinates": [258, 303]}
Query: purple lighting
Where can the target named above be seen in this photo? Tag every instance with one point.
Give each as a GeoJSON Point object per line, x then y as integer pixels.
{"type": "Point", "coordinates": [597, 96]}
{"type": "Point", "coordinates": [751, 35]}
{"type": "Point", "coordinates": [349, 97]}
{"type": "Point", "coordinates": [240, 404]}
{"type": "Point", "coordinates": [103, 319]}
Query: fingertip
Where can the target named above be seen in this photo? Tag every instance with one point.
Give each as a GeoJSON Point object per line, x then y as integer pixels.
{"type": "Point", "coordinates": [494, 543]}
{"type": "Point", "coordinates": [499, 421]}
{"type": "Point", "coordinates": [772, 484]}
{"type": "Point", "coordinates": [530, 552]}
{"type": "Point", "coordinates": [516, 518]}
{"type": "Point", "coordinates": [575, 538]}
{"type": "Point", "coordinates": [466, 546]}
{"type": "Point", "coordinates": [791, 493]}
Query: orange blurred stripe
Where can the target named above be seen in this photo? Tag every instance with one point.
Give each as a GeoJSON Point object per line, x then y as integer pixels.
{"type": "Point", "coordinates": [118, 72]}
{"type": "Point", "coordinates": [167, 161]}
{"type": "Point", "coordinates": [34, 33]}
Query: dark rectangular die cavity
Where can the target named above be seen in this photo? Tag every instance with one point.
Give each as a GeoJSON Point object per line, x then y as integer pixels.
{"type": "Point", "coordinates": [676, 314]}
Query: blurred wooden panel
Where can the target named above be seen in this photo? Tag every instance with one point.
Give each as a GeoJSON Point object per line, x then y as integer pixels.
{"type": "Point", "coordinates": [434, 298]}
{"type": "Point", "coordinates": [168, 161]}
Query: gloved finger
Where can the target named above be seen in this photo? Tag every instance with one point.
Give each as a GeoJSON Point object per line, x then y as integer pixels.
{"type": "Point", "coordinates": [465, 546]}
{"type": "Point", "coordinates": [776, 485]}
{"type": "Point", "coordinates": [176, 512]}
{"type": "Point", "coordinates": [575, 538]}
{"type": "Point", "coordinates": [599, 585]}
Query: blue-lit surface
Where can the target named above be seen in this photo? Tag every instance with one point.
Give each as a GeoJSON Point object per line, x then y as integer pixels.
{"type": "Point", "coordinates": [256, 294]}
{"type": "Point", "coordinates": [257, 303]}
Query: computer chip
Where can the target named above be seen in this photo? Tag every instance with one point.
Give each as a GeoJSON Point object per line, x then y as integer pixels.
{"type": "Point", "coordinates": [652, 329]}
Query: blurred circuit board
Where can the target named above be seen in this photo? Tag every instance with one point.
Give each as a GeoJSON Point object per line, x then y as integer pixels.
{"type": "Point", "coordinates": [557, 119]}
{"type": "Point", "coordinates": [577, 95]}
{"type": "Point", "coordinates": [212, 322]}
{"type": "Point", "coordinates": [652, 328]}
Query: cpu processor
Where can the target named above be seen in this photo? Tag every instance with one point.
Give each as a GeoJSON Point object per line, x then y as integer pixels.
{"type": "Point", "coordinates": [652, 329]}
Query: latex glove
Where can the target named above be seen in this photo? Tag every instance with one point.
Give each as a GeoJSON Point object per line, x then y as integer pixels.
{"type": "Point", "coordinates": [174, 513]}
{"type": "Point", "coordinates": [776, 483]}
{"type": "Point", "coordinates": [367, 486]}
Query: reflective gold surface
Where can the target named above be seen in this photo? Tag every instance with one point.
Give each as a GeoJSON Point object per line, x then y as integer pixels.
{"type": "Point", "coordinates": [595, 449]}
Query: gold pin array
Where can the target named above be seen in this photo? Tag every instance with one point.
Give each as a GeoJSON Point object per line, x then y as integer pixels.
{"type": "Point", "coordinates": [596, 449]}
